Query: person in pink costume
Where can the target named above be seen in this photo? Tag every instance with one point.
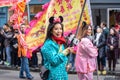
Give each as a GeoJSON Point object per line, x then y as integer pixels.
{"type": "Point", "coordinates": [86, 53]}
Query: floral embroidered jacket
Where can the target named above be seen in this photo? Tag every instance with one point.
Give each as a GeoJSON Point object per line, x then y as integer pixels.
{"type": "Point", "coordinates": [54, 60]}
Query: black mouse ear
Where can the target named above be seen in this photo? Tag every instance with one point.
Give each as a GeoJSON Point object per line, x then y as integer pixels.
{"type": "Point", "coordinates": [61, 18]}
{"type": "Point", "coordinates": [83, 24]}
{"type": "Point", "coordinates": [51, 19]}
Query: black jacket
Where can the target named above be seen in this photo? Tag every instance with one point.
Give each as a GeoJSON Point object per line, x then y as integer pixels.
{"type": "Point", "coordinates": [101, 45]}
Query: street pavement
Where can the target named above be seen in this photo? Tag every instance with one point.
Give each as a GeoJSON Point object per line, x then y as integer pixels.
{"type": "Point", "coordinates": [14, 75]}
{"type": "Point", "coordinates": [8, 73]}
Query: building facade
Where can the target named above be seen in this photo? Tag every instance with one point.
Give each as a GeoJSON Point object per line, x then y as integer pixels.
{"type": "Point", "coordinates": [3, 15]}
{"type": "Point", "coordinates": [100, 10]}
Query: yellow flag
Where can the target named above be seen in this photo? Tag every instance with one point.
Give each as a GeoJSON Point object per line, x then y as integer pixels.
{"type": "Point", "coordinates": [69, 9]}
{"type": "Point", "coordinates": [35, 36]}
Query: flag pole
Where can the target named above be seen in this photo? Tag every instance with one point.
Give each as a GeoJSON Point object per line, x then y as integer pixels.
{"type": "Point", "coordinates": [80, 18]}
{"type": "Point", "coordinates": [28, 11]}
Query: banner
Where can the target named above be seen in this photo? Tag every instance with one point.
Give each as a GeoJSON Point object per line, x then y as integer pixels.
{"type": "Point", "coordinates": [35, 35]}
{"type": "Point", "coordinates": [7, 2]}
{"type": "Point", "coordinates": [69, 9]}
{"type": "Point", "coordinates": [87, 15]}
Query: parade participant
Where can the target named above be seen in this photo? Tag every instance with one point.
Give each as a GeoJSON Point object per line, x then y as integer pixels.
{"type": "Point", "coordinates": [54, 52]}
{"type": "Point", "coordinates": [22, 53]}
{"type": "Point", "coordinates": [85, 61]}
{"type": "Point", "coordinates": [112, 43]}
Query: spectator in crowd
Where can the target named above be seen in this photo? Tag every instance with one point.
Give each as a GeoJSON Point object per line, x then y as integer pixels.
{"type": "Point", "coordinates": [22, 53]}
{"type": "Point", "coordinates": [71, 62]}
{"type": "Point", "coordinates": [117, 29]}
{"type": "Point", "coordinates": [100, 43]}
{"type": "Point", "coordinates": [35, 58]}
{"type": "Point", "coordinates": [14, 50]}
{"type": "Point", "coordinates": [117, 26]}
{"type": "Point", "coordinates": [85, 61]}
{"type": "Point", "coordinates": [118, 56]}
{"type": "Point", "coordinates": [105, 32]}
{"type": "Point", "coordinates": [112, 43]}
{"type": "Point", "coordinates": [53, 51]}
{"type": "Point", "coordinates": [105, 29]}
{"type": "Point", "coordinates": [7, 34]}
{"type": "Point", "coordinates": [1, 48]}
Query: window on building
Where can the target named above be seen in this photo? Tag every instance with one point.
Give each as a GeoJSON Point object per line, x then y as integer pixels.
{"type": "Point", "coordinates": [3, 15]}
{"type": "Point", "coordinates": [34, 9]}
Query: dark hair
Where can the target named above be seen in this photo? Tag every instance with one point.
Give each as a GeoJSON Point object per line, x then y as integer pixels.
{"type": "Point", "coordinates": [6, 24]}
{"type": "Point", "coordinates": [103, 22]}
{"type": "Point", "coordinates": [12, 30]}
{"type": "Point", "coordinates": [83, 24]}
{"type": "Point", "coordinates": [51, 26]}
{"type": "Point", "coordinates": [115, 32]}
{"type": "Point", "coordinates": [22, 24]}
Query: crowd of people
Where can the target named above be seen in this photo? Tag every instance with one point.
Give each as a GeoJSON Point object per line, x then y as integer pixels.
{"type": "Point", "coordinates": [9, 48]}
{"type": "Point", "coordinates": [99, 44]}
{"type": "Point", "coordinates": [107, 42]}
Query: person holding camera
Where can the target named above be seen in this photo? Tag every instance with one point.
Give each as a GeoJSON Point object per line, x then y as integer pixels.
{"type": "Point", "coordinates": [7, 33]}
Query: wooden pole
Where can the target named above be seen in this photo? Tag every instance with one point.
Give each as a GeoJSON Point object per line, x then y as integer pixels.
{"type": "Point", "coordinates": [81, 14]}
